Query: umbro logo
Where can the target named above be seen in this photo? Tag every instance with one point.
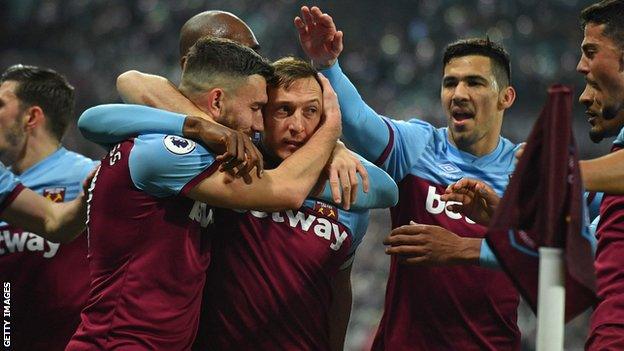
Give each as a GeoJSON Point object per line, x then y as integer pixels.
{"type": "Point", "coordinates": [449, 168]}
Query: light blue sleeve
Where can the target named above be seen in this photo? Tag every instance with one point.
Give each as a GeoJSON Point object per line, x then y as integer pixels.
{"type": "Point", "coordinates": [383, 191]}
{"type": "Point", "coordinates": [391, 144]}
{"type": "Point", "coordinates": [363, 129]}
{"type": "Point", "coordinates": [8, 183]}
{"type": "Point", "coordinates": [358, 223]}
{"type": "Point", "coordinates": [167, 165]}
{"type": "Point", "coordinates": [593, 206]}
{"type": "Point", "coordinates": [619, 140]}
{"type": "Point", "coordinates": [411, 139]}
{"type": "Point", "coordinates": [487, 257]}
{"type": "Point", "coordinates": [592, 233]}
{"type": "Point", "coordinates": [110, 124]}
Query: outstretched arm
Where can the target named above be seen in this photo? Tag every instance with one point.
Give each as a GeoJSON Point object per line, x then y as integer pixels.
{"type": "Point", "coordinates": [136, 87]}
{"type": "Point", "coordinates": [596, 179]}
{"type": "Point", "coordinates": [113, 123]}
{"type": "Point", "coordinates": [364, 129]}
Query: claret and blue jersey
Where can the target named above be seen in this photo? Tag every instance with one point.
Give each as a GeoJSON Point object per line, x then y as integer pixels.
{"type": "Point", "coordinates": [459, 308]}
{"type": "Point", "coordinates": [148, 246]}
{"type": "Point", "coordinates": [10, 187]}
{"type": "Point", "coordinates": [609, 260]}
{"type": "Point", "coordinates": [261, 262]}
{"type": "Point", "coordinates": [269, 281]}
{"type": "Point", "coordinates": [45, 296]}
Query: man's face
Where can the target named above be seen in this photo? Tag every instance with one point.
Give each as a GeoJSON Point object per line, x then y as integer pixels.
{"type": "Point", "coordinates": [600, 127]}
{"type": "Point", "coordinates": [601, 62]}
{"type": "Point", "coordinates": [242, 108]}
{"type": "Point", "coordinates": [292, 116]}
{"type": "Point", "coordinates": [12, 135]}
{"type": "Point", "coordinates": [469, 97]}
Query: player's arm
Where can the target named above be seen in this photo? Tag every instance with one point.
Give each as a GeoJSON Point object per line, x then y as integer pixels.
{"type": "Point", "coordinates": [393, 145]}
{"type": "Point", "coordinates": [288, 185]}
{"type": "Point", "coordinates": [340, 309]}
{"type": "Point", "coordinates": [364, 130]}
{"type": "Point", "coordinates": [382, 191]}
{"type": "Point", "coordinates": [113, 123]}
{"type": "Point", "coordinates": [151, 90]}
{"type": "Point", "coordinates": [22, 207]}
{"type": "Point", "coordinates": [421, 244]}
{"type": "Point", "coordinates": [597, 179]}
{"type": "Point", "coordinates": [56, 222]}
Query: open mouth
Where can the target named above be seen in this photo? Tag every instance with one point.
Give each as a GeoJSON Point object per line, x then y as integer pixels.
{"type": "Point", "coordinates": [460, 115]}
{"type": "Point", "coordinates": [591, 117]}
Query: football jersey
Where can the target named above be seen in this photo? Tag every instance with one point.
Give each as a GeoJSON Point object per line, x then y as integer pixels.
{"type": "Point", "coordinates": [10, 187]}
{"type": "Point", "coordinates": [433, 308]}
{"type": "Point", "coordinates": [268, 285]}
{"type": "Point", "coordinates": [49, 281]}
{"type": "Point", "coordinates": [148, 250]}
{"type": "Point", "coordinates": [609, 260]}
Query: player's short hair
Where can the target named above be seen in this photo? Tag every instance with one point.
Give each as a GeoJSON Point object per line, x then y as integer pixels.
{"type": "Point", "coordinates": [222, 63]}
{"type": "Point", "coordinates": [47, 89]}
{"type": "Point", "coordinates": [501, 66]}
{"type": "Point", "coordinates": [289, 69]}
{"type": "Point", "coordinates": [611, 14]}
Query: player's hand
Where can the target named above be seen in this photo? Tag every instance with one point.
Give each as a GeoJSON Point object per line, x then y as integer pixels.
{"type": "Point", "coordinates": [236, 150]}
{"type": "Point", "coordinates": [473, 198]}
{"type": "Point", "coordinates": [331, 109]}
{"type": "Point", "coordinates": [430, 245]}
{"type": "Point", "coordinates": [319, 38]}
{"type": "Point", "coordinates": [342, 168]}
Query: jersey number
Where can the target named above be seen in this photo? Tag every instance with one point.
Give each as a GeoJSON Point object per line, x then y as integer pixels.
{"type": "Point", "coordinates": [114, 155]}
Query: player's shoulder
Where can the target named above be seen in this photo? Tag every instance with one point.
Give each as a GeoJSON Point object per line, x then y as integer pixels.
{"type": "Point", "coordinates": [63, 166]}
{"type": "Point", "coordinates": [162, 152]}
{"type": "Point", "coordinates": [169, 146]}
{"type": "Point", "coordinates": [163, 164]}
{"type": "Point", "coordinates": [412, 124]}
{"type": "Point", "coordinates": [78, 162]}
{"type": "Point", "coordinates": [7, 178]}
{"type": "Point", "coordinates": [506, 154]}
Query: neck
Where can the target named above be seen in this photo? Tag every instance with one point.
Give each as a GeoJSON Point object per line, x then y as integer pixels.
{"type": "Point", "coordinates": [481, 147]}
{"type": "Point", "coordinates": [38, 146]}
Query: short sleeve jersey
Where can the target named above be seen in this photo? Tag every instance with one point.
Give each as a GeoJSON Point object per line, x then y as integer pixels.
{"type": "Point", "coordinates": [44, 296]}
{"type": "Point", "coordinates": [148, 246]}
{"type": "Point", "coordinates": [10, 187]}
{"type": "Point", "coordinates": [269, 286]}
{"type": "Point", "coordinates": [461, 307]}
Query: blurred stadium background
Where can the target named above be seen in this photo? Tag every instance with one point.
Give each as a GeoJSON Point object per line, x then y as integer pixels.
{"type": "Point", "coordinates": [392, 54]}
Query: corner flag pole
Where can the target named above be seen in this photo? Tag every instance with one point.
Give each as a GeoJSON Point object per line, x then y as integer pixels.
{"type": "Point", "coordinates": [551, 299]}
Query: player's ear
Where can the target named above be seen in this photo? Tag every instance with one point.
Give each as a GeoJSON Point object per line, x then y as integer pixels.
{"type": "Point", "coordinates": [33, 117]}
{"type": "Point", "coordinates": [214, 102]}
{"type": "Point", "coordinates": [506, 97]}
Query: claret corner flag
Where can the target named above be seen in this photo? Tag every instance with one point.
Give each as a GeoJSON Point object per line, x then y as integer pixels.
{"type": "Point", "coordinates": [543, 207]}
